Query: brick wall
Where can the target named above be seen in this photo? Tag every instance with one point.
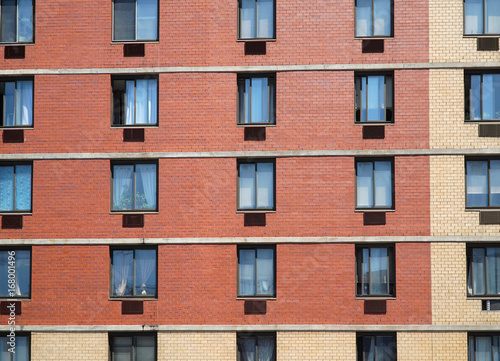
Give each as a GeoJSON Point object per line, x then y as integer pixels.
{"type": "Point", "coordinates": [316, 346]}
{"type": "Point", "coordinates": [187, 346]}
{"type": "Point", "coordinates": [63, 346]}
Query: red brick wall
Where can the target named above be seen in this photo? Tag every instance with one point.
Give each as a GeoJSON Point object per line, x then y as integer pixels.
{"type": "Point", "coordinates": [197, 285]}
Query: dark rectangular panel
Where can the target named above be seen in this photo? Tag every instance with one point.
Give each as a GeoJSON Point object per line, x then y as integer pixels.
{"type": "Point", "coordinates": [130, 50]}
{"type": "Point", "coordinates": [489, 217]}
{"type": "Point", "coordinates": [255, 219]}
{"type": "Point", "coordinates": [133, 135]}
{"type": "Point", "coordinates": [132, 307]}
{"type": "Point", "coordinates": [133, 220]}
{"type": "Point", "coordinates": [255, 307]}
{"type": "Point", "coordinates": [373, 218]}
{"type": "Point", "coordinates": [375, 306]}
{"type": "Point", "coordinates": [487, 44]}
{"type": "Point", "coordinates": [255, 48]}
{"type": "Point", "coordinates": [13, 136]}
{"type": "Point", "coordinates": [7, 307]}
{"type": "Point", "coordinates": [12, 221]}
{"type": "Point", "coordinates": [489, 130]}
{"type": "Point", "coordinates": [255, 133]}
{"type": "Point", "coordinates": [373, 132]}
{"type": "Point", "coordinates": [373, 46]}
{"type": "Point", "coordinates": [15, 52]}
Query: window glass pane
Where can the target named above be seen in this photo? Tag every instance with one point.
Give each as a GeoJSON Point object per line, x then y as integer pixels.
{"type": "Point", "coordinates": [265, 272]}
{"type": "Point", "coordinates": [23, 188]}
{"type": "Point", "coordinates": [247, 100]}
{"type": "Point", "coordinates": [383, 184]}
{"type": "Point", "coordinates": [9, 21]}
{"type": "Point", "coordinates": [388, 98]}
{"type": "Point", "coordinates": [496, 348]}
{"type": "Point", "coordinates": [130, 96]}
{"type": "Point", "coordinates": [247, 272]}
{"type": "Point", "coordinates": [10, 104]}
{"type": "Point", "coordinates": [379, 271]}
{"type": "Point", "coordinates": [22, 349]}
{"type": "Point", "coordinates": [491, 96]}
{"type": "Point", "coordinates": [147, 19]}
{"type": "Point", "coordinates": [495, 183]}
{"type": "Point", "coordinates": [385, 348]}
{"type": "Point", "coordinates": [265, 18]}
{"type": "Point", "coordinates": [364, 180]}
{"type": "Point", "coordinates": [124, 20]}
{"type": "Point", "coordinates": [123, 276]}
{"type": "Point", "coordinates": [247, 186]}
{"type": "Point", "coordinates": [24, 104]}
{"type": "Point", "coordinates": [473, 16]}
{"type": "Point", "coordinates": [265, 185]}
{"type": "Point", "coordinates": [493, 270]}
{"type": "Point", "coordinates": [145, 272]}
{"type": "Point", "coordinates": [364, 92]}
{"type": "Point", "coordinates": [25, 20]}
{"type": "Point", "coordinates": [6, 188]}
{"type": "Point", "coordinates": [123, 191]}
{"type": "Point", "coordinates": [141, 101]}
{"type": "Point", "coordinates": [363, 17]}
{"type": "Point", "coordinates": [23, 262]}
{"type": "Point", "coordinates": [478, 269]}
{"type": "Point", "coordinates": [266, 348]}
{"type": "Point", "coordinates": [247, 21]}
{"type": "Point", "coordinates": [483, 348]}
{"type": "Point", "coordinates": [4, 275]}
{"type": "Point", "coordinates": [260, 109]}
{"type": "Point", "coordinates": [376, 98]}
{"type": "Point", "coordinates": [366, 271]}
{"type": "Point", "coordinates": [368, 348]}
{"type": "Point", "coordinates": [492, 20]}
{"type": "Point", "coordinates": [477, 183]}
{"type": "Point", "coordinates": [246, 347]}
{"type": "Point", "coordinates": [4, 349]}
{"type": "Point", "coordinates": [152, 105]}
{"type": "Point", "coordinates": [475, 97]}
{"type": "Point", "coordinates": [145, 196]}
{"type": "Point", "coordinates": [145, 348]}
{"type": "Point", "coordinates": [382, 16]}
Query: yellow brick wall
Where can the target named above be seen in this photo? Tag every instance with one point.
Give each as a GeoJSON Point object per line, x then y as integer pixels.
{"type": "Point", "coordinates": [414, 346]}
{"type": "Point", "coordinates": [449, 346]}
{"type": "Point", "coordinates": [206, 346]}
{"type": "Point", "coordinates": [69, 346]}
{"type": "Point", "coordinates": [316, 346]}
{"type": "Point", "coordinates": [448, 215]}
{"type": "Point", "coordinates": [447, 128]}
{"type": "Point", "coordinates": [446, 40]}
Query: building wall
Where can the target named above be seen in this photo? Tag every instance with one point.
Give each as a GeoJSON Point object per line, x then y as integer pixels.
{"type": "Point", "coordinates": [316, 346]}
{"type": "Point", "coordinates": [187, 346]}
{"type": "Point", "coordinates": [72, 346]}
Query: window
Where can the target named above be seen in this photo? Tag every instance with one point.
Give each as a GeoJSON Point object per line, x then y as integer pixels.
{"type": "Point", "coordinates": [256, 271]}
{"type": "Point", "coordinates": [484, 347]}
{"type": "Point", "coordinates": [15, 273]}
{"type": "Point", "coordinates": [374, 94]}
{"type": "Point", "coordinates": [17, 103]}
{"type": "Point", "coordinates": [135, 20]}
{"type": "Point", "coordinates": [135, 102]}
{"type": "Point", "coordinates": [482, 17]}
{"type": "Point", "coordinates": [376, 346]}
{"type": "Point", "coordinates": [134, 187]}
{"type": "Point", "coordinates": [15, 187]}
{"type": "Point", "coordinates": [133, 272]}
{"type": "Point", "coordinates": [375, 271]}
{"type": "Point", "coordinates": [256, 99]}
{"type": "Point", "coordinates": [373, 18]}
{"type": "Point", "coordinates": [483, 183]}
{"type": "Point", "coordinates": [374, 184]}
{"type": "Point", "coordinates": [256, 185]}
{"type": "Point", "coordinates": [132, 347]}
{"type": "Point", "coordinates": [483, 270]}
{"type": "Point", "coordinates": [256, 346]}
{"type": "Point", "coordinates": [482, 96]}
{"type": "Point", "coordinates": [256, 19]}
{"type": "Point", "coordinates": [22, 349]}
{"type": "Point", "coordinates": [16, 21]}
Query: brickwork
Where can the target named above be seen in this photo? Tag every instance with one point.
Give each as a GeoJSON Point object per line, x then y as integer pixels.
{"type": "Point", "coordinates": [69, 346]}
{"type": "Point", "coordinates": [449, 346]}
{"type": "Point", "coordinates": [187, 346]}
{"type": "Point", "coordinates": [415, 346]}
{"type": "Point", "coordinates": [448, 215]}
{"type": "Point", "coordinates": [316, 346]}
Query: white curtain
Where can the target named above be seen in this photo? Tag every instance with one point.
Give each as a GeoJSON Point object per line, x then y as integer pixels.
{"type": "Point", "coordinates": [266, 348]}
{"type": "Point", "coordinates": [378, 271]}
{"type": "Point", "coordinates": [122, 271]}
{"type": "Point", "coordinates": [22, 273]}
{"type": "Point", "coordinates": [369, 348]}
{"type": "Point", "coordinates": [478, 271]}
{"type": "Point", "coordinates": [247, 348]}
{"type": "Point", "coordinates": [122, 187]}
{"type": "Point", "coordinates": [146, 102]}
{"type": "Point", "coordinates": [145, 265]}
{"type": "Point", "coordinates": [152, 101]}
{"type": "Point", "coordinates": [130, 96]}
{"type": "Point", "coordinates": [10, 104]}
{"type": "Point", "coordinates": [147, 175]}
{"type": "Point", "coordinates": [24, 106]}
{"type": "Point", "coordinates": [265, 272]}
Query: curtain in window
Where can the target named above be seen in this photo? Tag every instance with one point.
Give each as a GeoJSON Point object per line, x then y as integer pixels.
{"type": "Point", "coordinates": [6, 188]}
{"type": "Point", "coordinates": [25, 20]}
{"type": "Point", "coordinates": [247, 186]}
{"type": "Point", "coordinates": [478, 271]}
{"type": "Point", "coordinates": [477, 184]}
{"type": "Point", "coordinates": [146, 93]}
{"type": "Point", "coordinates": [383, 184]}
{"type": "Point", "coordinates": [369, 348]}
{"type": "Point", "coordinates": [10, 104]}
{"type": "Point", "coordinates": [247, 272]}
{"type": "Point", "coordinates": [382, 17]}
{"type": "Point", "coordinates": [475, 98]}
{"type": "Point", "coordinates": [378, 271]}
{"type": "Point", "coordinates": [492, 19]}
{"type": "Point", "coordinates": [123, 262]}
{"type": "Point", "coordinates": [122, 187]}
{"type": "Point", "coordinates": [265, 18]}
{"type": "Point", "coordinates": [266, 348]}
{"type": "Point", "coordinates": [491, 96]}
{"type": "Point", "coordinates": [493, 271]}
{"type": "Point", "coordinates": [265, 272]}
{"type": "Point", "coordinates": [247, 20]}
{"type": "Point", "coordinates": [23, 188]}
{"type": "Point", "coordinates": [122, 349]}
{"type": "Point", "coordinates": [483, 348]}
{"type": "Point", "coordinates": [130, 107]}
{"type": "Point", "coordinates": [147, 19]}
{"type": "Point", "coordinates": [473, 16]}
{"type": "Point", "coordinates": [146, 176]}
{"type": "Point", "coordinates": [265, 185]}
{"type": "Point", "coordinates": [24, 106]}
{"type": "Point", "coordinates": [4, 274]}
{"type": "Point", "coordinates": [8, 21]}
{"type": "Point", "coordinates": [364, 180]}
{"type": "Point", "coordinates": [22, 273]}
{"type": "Point", "coordinates": [247, 348]}
{"type": "Point", "coordinates": [385, 348]}
{"type": "Point", "coordinates": [145, 275]}
{"type": "Point", "coordinates": [145, 348]}
{"type": "Point", "coordinates": [363, 17]}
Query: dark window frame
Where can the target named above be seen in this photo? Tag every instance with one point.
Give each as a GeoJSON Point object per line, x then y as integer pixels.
{"type": "Point", "coordinates": [19, 334]}
{"type": "Point", "coordinates": [373, 23]}
{"type": "Point", "coordinates": [389, 111]}
{"type": "Point", "coordinates": [359, 343]}
{"type": "Point", "coordinates": [256, 247]}
{"type": "Point", "coordinates": [255, 25]}
{"type": "Point", "coordinates": [271, 99]}
{"type": "Point", "coordinates": [470, 270]}
{"type": "Point", "coordinates": [22, 248]}
{"type": "Point", "coordinates": [256, 335]}
{"type": "Point", "coordinates": [391, 255]}
{"type": "Point", "coordinates": [16, 80]}
{"type": "Point", "coordinates": [467, 95]}
{"type": "Point", "coordinates": [111, 271]}
{"type": "Point", "coordinates": [393, 188]}
{"type": "Point", "coordinates": [471, 336]}
{"type": "Point", "coordinates": [133, 335]}
{"type": "Point", "coordinates": [484, 24]}
{"type": "Point", "coordinates": [135, 163]}
{"type": "Point", "coordinates": [256, 209]}
{"type": "Point", "coordinates": [33, 27]}
{"type": "Point", "coordinates": [14, 164]}
{"type": "Point", "coordinates": [124, 105]}
{"type": "Point", "coordinates": [135, 26]}
{"type": "Point", "coordinates": [472, 159]}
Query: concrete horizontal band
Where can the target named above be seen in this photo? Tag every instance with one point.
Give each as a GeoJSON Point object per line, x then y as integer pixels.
{"type": "Point", "coordinates": [250, 69]}
{"type": "Point", "coordinates": [253, 240]}
{"type": "Point", "coordinates": [256, 154]}
{"type": "Point", "coordinates": [254, 328]}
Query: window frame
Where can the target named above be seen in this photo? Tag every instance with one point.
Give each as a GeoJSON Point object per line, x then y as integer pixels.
{"type": "Point", "coordinates": [471, 336]}
{"type": "Point", "coordinates": [481, 159]}
{"type": "Point", "coordinates": [15, 164]}
{"type": "Point", "coordinates": [255, 248]}
{"type": "Point", "coordinates": [16, 249]}
{"type": "Point", "coordinates": [19, 334]}
{"type": "Point", "coordinates": [356, 36]}
{"type": "Point", "coordinates": [478, 35]}
{"type": "Point", "coordinates": [357, 111]}
{"type": "Point", "coordinates": [135, 26]}
{"type": "Point", "coordinates": [256, 209]}
{"type": "Point", "coordinates": [133, 335]}
{"type": "Point", "coordinates": [271, 99]}
{"type": "Point", "coordinates": [273, 38]}
{"type": "Point", "coordinates": [16, 80]}
{"type": "Point", "coordinates": [359, 343]}
{"type": "Point", "coordinates": [393, 188]}
{"type": "Point", "coordinates": [111, 272]}
{"type": "Point", "coordinates": [256, 335]}
{"type": "Point", "coordinates": [134, 163]}
{"type": "Point", "coordinates": [391, 269]}
{"type": "Point", "coordinates": [135, 78]}
{"type": "Point", "coordinates": [467, 95]}
{"type": "Point", "coordinates": [470, 270]}
{"type": "Point", "coordinates": [33, 27]}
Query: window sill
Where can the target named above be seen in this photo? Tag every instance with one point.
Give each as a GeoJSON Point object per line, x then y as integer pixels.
{"type": "Point", "coordinates": [360, 210]}
{"type": "Point", "coordinates": [492, 121]}
{"type": "Point", "coordinates": [492, 209]}
{"type": "Point", "coordinates": [373, 37]}
{"type": "Point", "coordinates": [132, 299]}
{"type": "Point", "coordinates": [16, 44]}
{"type": "Point", "coordinates": [256, 298]}
{"type": "Point", "coordinates": [267, 40]}
{"type": "Point", "coordinates": [256, 211]}
{"type": "Point", "coordinates": [375, 298]}
{"type": "Point", "coordinates": [14, 299]}
{"type": "Point", "coordinates": [134, 126]}
{"type": "Point", "coordinates": [133, 212]}
{"type": "Point", "coordinates": [122, 42]}
{"type": "Point", "coordinates": [469, 36]}
{"type": "Point", "coordinates": [256, 125]}
{"type": "Point", "coordinates": [10, 213]}
{"type": "Point", "coordinates": [373, 123]}
{"type": "Point", "coordinates": [16, 127]}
